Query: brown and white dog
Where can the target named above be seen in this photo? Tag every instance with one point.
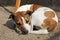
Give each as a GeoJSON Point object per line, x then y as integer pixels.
{"type": "Point", "coordinates": [30, 15]}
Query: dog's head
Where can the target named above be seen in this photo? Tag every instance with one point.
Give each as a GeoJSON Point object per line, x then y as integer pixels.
{"type": "Point", "coordinates": [26, 16]}
{"type": "Point", "coordinates": [17, 17]}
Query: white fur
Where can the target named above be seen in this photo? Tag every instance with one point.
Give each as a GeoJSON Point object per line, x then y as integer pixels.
{"type": "Point", "coordinates": [28, 27]}
{"type": "Point", "coordinates": [24, 8]}
{"type": "Point", "coordinates": [41, 31]}
{"type": "Point", "coordinates": [38, 16]}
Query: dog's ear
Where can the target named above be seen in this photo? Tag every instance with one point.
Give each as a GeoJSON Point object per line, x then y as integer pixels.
{"type": "Point", "coordinates": [11, 16]}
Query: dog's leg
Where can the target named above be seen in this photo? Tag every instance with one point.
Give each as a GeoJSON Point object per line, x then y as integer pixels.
{"type": "Point", "coordinates": [31, 25]}
{"type": "Point", "coordinates": [41, 31]}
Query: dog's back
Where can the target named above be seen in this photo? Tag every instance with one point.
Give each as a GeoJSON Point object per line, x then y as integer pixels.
{"type": "Point", "coordinates": [45, 18]}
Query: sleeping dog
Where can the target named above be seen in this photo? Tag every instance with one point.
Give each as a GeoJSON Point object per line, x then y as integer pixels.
{"type": "Point", "coordinates": [33, 15]}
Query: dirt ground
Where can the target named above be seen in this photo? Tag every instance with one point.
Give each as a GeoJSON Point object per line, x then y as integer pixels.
{"type": "Point", "coordinates": [7, 32]}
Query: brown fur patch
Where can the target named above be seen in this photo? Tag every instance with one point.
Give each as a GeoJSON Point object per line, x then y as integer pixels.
{"type": "Point", "coordinates": [27, 18]}
{"type": "Point", "coordinates": [35, 7]}
{"type": "Point", "coordinates": [21, 23]}
{"type": "Point", "coordinates": [20, 13]}
{"type": "Point", "coordinates": [49, 14]}
{"type": "Point", "coordinates": [23, 14]}
{"type": "Point", "coordinates": [50, 24]}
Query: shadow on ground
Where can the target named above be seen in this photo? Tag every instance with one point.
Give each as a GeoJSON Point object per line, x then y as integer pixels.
{"type": "Point", "coordinates": [10, 24]}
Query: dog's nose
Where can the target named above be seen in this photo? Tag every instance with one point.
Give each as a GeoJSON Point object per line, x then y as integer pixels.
{"type": "Point", "coordinates": [25, 31]}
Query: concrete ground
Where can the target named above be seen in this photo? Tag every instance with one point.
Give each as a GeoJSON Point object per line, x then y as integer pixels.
{"type": "Point", "coordinates": [7, 32]}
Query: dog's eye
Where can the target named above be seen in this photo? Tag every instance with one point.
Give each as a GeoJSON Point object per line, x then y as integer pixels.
{"type": "Point", "coordinates": [27, 21]}
{"type": "Point", "coordinates": [29, 12]}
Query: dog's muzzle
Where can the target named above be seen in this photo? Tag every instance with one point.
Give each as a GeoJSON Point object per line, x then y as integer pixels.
{"type": "Point", "coordinates": [24, 31]}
